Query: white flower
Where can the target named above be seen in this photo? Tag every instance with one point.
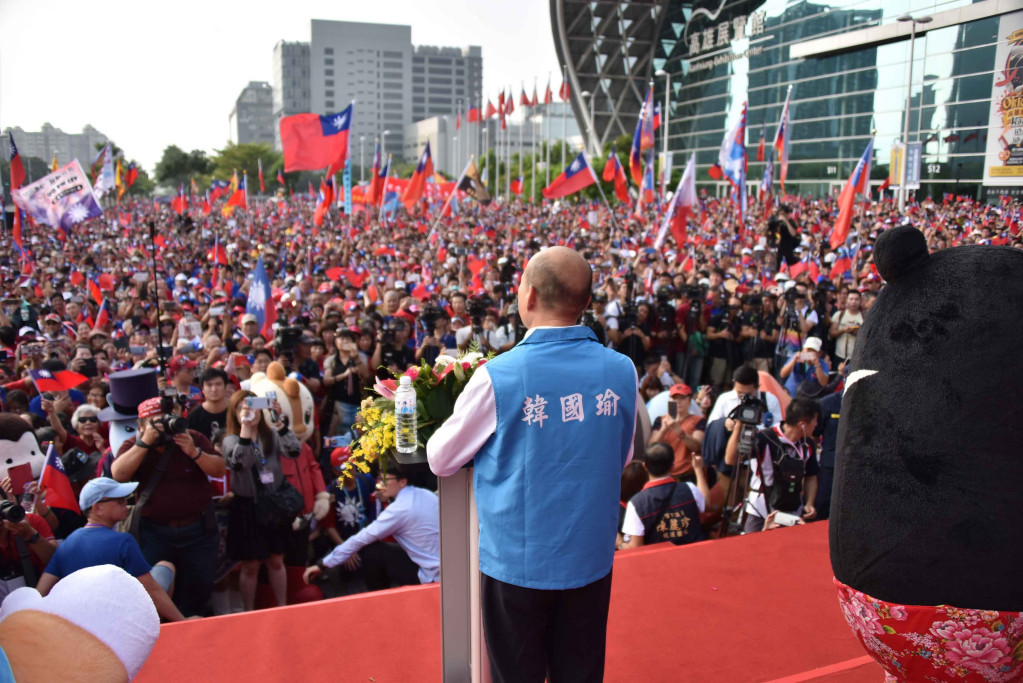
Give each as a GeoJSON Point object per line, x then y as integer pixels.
{"type": "Point", "coordinates": [471, 358]}
{"type": "Point", "coordinates": [442, 361]}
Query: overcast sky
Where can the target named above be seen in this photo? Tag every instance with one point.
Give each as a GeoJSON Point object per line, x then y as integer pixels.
{"type": "Point", "coordinates": [148, 75]}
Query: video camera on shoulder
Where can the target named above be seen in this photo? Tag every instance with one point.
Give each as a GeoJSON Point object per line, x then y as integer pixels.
{"type": "Point", "coordinates": [750, 410]}
{"type": "Point", "coordinates": [287, 338]}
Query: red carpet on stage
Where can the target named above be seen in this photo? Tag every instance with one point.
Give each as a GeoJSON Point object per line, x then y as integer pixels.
{"type": "Point", "coordinates": [751, 608]}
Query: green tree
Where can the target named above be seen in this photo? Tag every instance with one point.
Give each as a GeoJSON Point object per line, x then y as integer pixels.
{"type": "Point", "coordinates": [245, 159]}
{"type": "Point", "coordinates": [177, 166]}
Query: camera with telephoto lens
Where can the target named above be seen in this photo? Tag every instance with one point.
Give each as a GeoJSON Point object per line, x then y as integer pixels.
{"type": "Point", "coordinates": [172, 424]}
{"type": "Point", "coordinates": [387, 333]}
{"type": "Point", "coordinates": [477, 308]}
{"type": "Point", "coordinates": [429, 317]}
{"type": "Point", "coordinates": [11, 512]}
{"type": "Point", "coordinates": [287, 338]}
{"type": "Point", "coordinates": [664, 311]}
{"type": "Point", "coordinates": [748, 414]}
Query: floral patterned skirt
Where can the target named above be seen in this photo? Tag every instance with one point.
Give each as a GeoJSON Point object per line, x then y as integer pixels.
{"type": "Point", "coordinates": [917, 643]}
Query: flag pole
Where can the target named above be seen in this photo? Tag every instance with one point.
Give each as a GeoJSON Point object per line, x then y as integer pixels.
{"type": "Point", "coordinates": [564, 118]}
{"type": "Point", "coordinates": [532, 153]}
{"type": "Point", "coordinates": [547, 125]}
{"type": "Point", "coordinates": [383, 193]}
{"type": "Point", "coordinates": [458, 182]}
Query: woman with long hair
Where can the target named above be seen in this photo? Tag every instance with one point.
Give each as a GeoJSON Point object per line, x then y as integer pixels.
{"type": "Point", "coordinates": [253, 448]}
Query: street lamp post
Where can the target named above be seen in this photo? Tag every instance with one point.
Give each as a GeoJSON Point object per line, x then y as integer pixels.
{"type": "Point", "coordinates": [453, 168]}
{"type": "Point", "coordinates": [362, 164]}
{"type": "Point", "coordinates": [589, 124]}
{"type": "Point", "coordinates": [909, 91]}
{"type": "Point", "coordinates": [665, 119]}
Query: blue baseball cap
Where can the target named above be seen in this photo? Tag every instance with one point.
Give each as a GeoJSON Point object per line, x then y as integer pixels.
{"type": "Point", "coordinates": [99, 488]}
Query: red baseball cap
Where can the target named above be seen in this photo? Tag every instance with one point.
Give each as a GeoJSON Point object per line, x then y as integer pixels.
{"type": "Point", "coordinates": [680, 390]}
{"type": "Point", "coordinates": [339, 456]}
{"type": "Point", "coordinates": [150, 407]}
{"type": "Point", "coordinates": [179, 363]}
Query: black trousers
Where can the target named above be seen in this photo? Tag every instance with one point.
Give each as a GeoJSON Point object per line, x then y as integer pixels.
{"type": "Point", "coordinates": [535, 634]}
{"type": "Point", "coordinates": [386, 565]}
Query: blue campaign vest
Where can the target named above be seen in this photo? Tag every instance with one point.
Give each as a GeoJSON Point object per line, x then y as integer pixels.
{"type": "Point", "coordinates": [680, 523]}
{"type": "Point", "coordinates": [547, 490]}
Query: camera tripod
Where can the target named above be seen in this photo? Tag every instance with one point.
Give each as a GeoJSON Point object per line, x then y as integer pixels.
{"type": "Point", "coordinates": [733, 517]}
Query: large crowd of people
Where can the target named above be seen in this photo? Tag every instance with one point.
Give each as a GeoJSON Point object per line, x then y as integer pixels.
{"type": "Point", "coordinates": [762, 310]}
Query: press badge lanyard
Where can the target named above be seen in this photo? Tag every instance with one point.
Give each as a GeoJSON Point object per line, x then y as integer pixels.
{"type": "Point", "coordinates": [266, 477]}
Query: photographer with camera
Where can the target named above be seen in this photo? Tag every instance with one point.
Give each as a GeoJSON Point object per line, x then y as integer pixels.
{"type": "Point", "coordinates": [845, 325]}
{"type": "Point", "coordinates": [435, 335]}
{"type": "Point", "coordinates": [26, 545]}
{"type": "Point", "coordinates": [783, 466]}
{"type": "Point", "coordinates": [343, 376]}
{"type": "Point", "coordinates": [664, 328]}
{"type": "Point", "coordinates": [254, 448]}
{"type": "Point", "coordinates": [392, 350]}
{"type": "Point", "coordinates": [759, 331]}
{"type": "Point", "coordinates": [808, 366]}
{"type": "Point", "coordinates": [795, 320]}
{"type": "Point", "coordinates": [171, 464]}
{"type": "Point", "coordinates": [785, 234]}
{"type": "Point", "coordinates": [723, 331]}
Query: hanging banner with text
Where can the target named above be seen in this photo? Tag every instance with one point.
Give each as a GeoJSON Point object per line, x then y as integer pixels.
{"type": "Point", "coordinates": [62, 199]}
{"type": "Point", "coordinates": [1003, 160]}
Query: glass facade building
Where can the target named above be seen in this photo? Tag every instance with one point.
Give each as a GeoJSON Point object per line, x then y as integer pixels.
{"type": "Point", "coordinates": [721, 54]}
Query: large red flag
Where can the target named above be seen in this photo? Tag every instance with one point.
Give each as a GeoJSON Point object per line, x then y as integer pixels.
{"type": "Point", "coordinates": [681, 207]}
{"type": "Point", "coordinates": [17, 168]}
{"type": "Point", "coordinates": [857, 183]}
{"type": "Point", "coordinates": [54, 480]}
{"type": "Point", "coordinates": [417, 184]}
{"type": "Point", "coordinates": [312, 142]}
{"type": "Point", "coordinates": [613, 171]}
{"type": "Point", "coordinates": [262, 186]}
{"type": "Point", "coordinates": [577, 176]}
{"type": "Point", "coordinates": [490, 110]}
{"type": "Point", "coordinates": [326, 199]}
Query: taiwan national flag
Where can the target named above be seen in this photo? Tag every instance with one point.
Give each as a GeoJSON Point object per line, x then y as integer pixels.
{"type": "Point", "coordinates": [131, 175]}
{"type": "Point", "coordinates": [417, 184]}
{"type": "Point", "coordinates": [17, 168]}
{"type": "Point", "coordinates": [682, 205]}
{"type": "Point", "coordinates": [240, 197]}
{"type": "Point", "coordinates": [473, 116]}
{"type": "Point", "coordinates": [312, 142]}
{"type": "Point", "coordinates": [218, 188]}
{"type": "Point", "coordinates": [262, 185]}
{"type": "Point", "coordinates": [376, 181]}
{"type": "Point", "coordinates": [858, 183]}
{"type": "Point", "coordinates": [53, 479]}
{"type": "Point", "coordinates": [102, 315]}
{"type": "Point", "coordinates": [732, 160]}
{"type": "Point", "coordinates": [516, 186]}
{"type": "Point", "coordinates": [842, 264]}
{"type": "Point", "coordinates": [613, 171]}
{"type": "Point", "coordinates": [260, 302]}
{"type": "Point", "coordinates": [180, 203]}
{"type": "Point", "coordinates": [576, 177]}
{"type": "Point", "coordinates": [326, 199]}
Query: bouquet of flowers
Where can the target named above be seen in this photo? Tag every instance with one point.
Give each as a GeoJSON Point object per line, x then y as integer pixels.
{"type": "Point", "coordinates": [437, 387]}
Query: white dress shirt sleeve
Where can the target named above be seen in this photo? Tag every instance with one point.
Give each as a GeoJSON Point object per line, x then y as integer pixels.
{"type": "Point", "coordinates": [701, 502]}
{"type": "Point", "coordinates": [473, 420]}
{"type": "Point", "coordinates": [632, 525]}
{"type": "Point", "coordinates": [390, 520]}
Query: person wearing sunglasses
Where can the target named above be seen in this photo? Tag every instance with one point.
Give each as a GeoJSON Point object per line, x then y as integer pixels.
{"type": "Point", "coordinates": [104, 502]}
{"type": "Point", "coordinates": [85, 421]}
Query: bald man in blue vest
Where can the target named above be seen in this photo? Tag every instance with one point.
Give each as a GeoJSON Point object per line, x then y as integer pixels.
{"type": "Point", "coordinates": [549, 426]}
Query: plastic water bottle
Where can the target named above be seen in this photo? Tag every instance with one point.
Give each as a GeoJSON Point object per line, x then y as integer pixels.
{"type": "Point", "coordinates": [405, 417]}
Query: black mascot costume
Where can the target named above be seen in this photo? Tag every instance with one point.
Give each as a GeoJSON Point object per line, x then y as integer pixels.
{"type": "Point", "coordinates": [927, 519]}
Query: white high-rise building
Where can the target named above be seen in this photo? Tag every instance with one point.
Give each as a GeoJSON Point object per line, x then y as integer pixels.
{"type": "Point", "coordinates": [289, 82]}
{"type": "Point", "coordinates": [49, 140]}
{"type": "Point", "coordinates": [370, 64]}
{"type": "Point", "coordinates": [392, 83]}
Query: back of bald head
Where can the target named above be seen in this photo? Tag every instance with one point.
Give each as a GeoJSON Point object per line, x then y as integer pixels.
{"type": "Point", "coordinates": [562, 279]}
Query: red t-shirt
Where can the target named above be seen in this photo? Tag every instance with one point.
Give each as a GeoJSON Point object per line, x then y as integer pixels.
{"type": "Point", "coordinates": [10, 551]}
